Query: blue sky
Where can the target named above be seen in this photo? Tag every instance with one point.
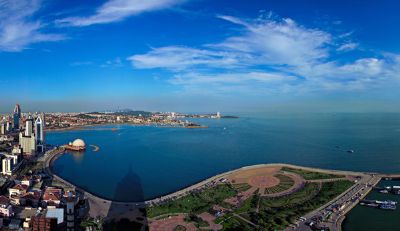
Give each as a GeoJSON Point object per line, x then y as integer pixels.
{"type": "Point", "coordinates": [200, 55]}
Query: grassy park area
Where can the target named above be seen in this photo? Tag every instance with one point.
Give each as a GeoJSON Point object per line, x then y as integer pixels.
{"type": "Point", "coordinates": [256, 210]}
{"type": "Point", "coordinates": [284, 184]}
{"type": "Point", "coordinates": [195, 202]}
{"type": "Point", "coordinates": [278, 213]}
{"type": "Point", "coordinates": [241, 187]}
{"type": "Point", "coordinates": [310, 175]}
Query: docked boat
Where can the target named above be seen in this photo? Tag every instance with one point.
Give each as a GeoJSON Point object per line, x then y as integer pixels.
{"type": "Point", "coordinates": [387, 206]}
{"type": "Point", "coordinates": [369, 204]}
{"type": "Point", "coordinates": [388, 202]}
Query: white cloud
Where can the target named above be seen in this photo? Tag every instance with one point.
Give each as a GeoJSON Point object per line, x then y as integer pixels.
{"type": "Point", "coordinates": [114, 63]}
{"type": "Point", "coordinates": [365, 67]}
{"type": "Point", "coordinates": [232, 78]}
{"type": "Point", "coordinates": [179, 58]}
{"type": "Point", "coordinates": [276, 53]}
{"type": "Point", "coordinates": [264, 42]}
{"type": "Point", "coordinates": [254, 83]}
{"type": "Point", "coordinates": [17, 29]}
{"type": "Point", "coordinates": [348, 47]}
{"type": "Point", "coordinates": [282, 42]}
{"type": "Point", "coordinates": [117, 10]}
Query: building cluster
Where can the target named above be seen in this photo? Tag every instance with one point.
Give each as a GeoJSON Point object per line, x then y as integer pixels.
{"type": "Point", "coordinates": [55, 121]}
{"type": "Point", "coordinates": [32, 206]}
{"type": "Point", "coordinates": [21, 136]}
{"type": "Point", "coordinates": [28, 198]}
{"type": "Point", "coordinates": [28, 201]}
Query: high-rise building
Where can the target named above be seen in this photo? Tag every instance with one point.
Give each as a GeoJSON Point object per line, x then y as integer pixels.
{"type": "Point", "coordinates": [15, 121]}
{"type": "Point", "coordinates": [8, 126]}
{"type": "Point", "coordinates": [70, 212]}
{"type": "Point", "coordinates": [6, 166]}
{"type": "Point", "coordinates": [28, 126]}
{"type": "Point", "coordinates": [9, 162]}
{"type": "Point", "coordinates": [3, 128]}
{"type": "Point", "coordinates": [27, 143]}
{"type": "Point", "coordinates": [28, 140]}
{"type": "Point", "coordinates": [16, 116]}
{"type": "Point", "coordinates": [17, 110]}
{"type": "Point", "coordinates": [39, 133]}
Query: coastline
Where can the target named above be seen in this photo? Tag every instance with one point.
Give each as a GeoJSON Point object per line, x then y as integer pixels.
{"type": "Point", "coordinates": [74, 128]}
{"type": "Point", "coordinates": [89, 126]}
{"type": "Point", "coordinates": [101, 205]}
{"type": "Point", "coordinates": [184, 190]}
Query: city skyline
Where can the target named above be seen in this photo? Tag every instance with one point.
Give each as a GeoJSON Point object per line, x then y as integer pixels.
{"type": "Point", "coordinates": [175, 55]}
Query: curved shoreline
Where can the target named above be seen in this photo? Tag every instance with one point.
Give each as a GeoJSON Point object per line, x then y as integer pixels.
{"type": "Point", "coordinates": [101, 204]}
{"type": "Point", "coordinates": [186, 189]}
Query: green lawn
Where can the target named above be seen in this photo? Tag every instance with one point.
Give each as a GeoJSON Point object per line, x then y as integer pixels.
{"type": "Point", "coordinates": [241, 187]}
{"type": "Point", "coordinates": [233, 223]}
{"type": "Point", "coordinates": [308, 192]}
{"type": "Point", "coordinates": [309, 175]}
{"type": "Point", "coordinates": [195, 202]}
{"type": "Point", "coordinates": [284, 184]}
{"type": "Point", "coordinates": [248, 205]}
{"type": "Point", "coordinates": [273, 214]}
{"type": "Point", "coordinates": [278, 213]}
{"type": "Point", "coordinates": [29, 166]}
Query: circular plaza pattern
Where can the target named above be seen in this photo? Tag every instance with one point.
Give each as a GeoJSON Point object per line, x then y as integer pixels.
{"type": "Point", "coordinates": [266, 181]}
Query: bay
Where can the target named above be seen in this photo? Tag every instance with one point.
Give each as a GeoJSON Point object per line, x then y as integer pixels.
{"type": "Point", "coordinates": [143, 162]}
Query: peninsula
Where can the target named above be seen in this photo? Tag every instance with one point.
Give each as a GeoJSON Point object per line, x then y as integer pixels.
{"type": "Point", "coordinates": [77, 121]}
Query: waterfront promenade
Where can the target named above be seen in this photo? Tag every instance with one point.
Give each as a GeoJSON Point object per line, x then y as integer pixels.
{"type": "Point", "coordinates": [115, 209]}
{"type": "Point", "coordinates": [347, 200]}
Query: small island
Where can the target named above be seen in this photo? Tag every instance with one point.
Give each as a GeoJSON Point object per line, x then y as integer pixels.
{"type": "Point", "coordinates": [194, 125]}
{"type": "Point", "coordinates": [229, 117]}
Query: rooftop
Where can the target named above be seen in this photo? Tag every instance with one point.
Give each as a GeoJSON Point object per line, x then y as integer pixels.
{"type": "Point", "coordinates": [56, 213]}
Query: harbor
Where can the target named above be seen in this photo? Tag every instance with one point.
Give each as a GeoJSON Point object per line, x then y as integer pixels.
{"type": "Point", "coordinates": [378, 210]}
{"type": "Point", "coordinates": [388, 204]}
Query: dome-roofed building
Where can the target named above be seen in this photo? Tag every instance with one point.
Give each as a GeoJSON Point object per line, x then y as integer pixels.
{"type": "Point", "coordinates": [76, 145]}
{"type": "Point", "coordinates": [79, 143]}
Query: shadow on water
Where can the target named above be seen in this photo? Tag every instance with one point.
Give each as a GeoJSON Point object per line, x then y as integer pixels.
{"type": "Point", "coordinates": [123, 216]}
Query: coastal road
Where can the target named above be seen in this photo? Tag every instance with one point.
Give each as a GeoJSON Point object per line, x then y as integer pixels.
{"type": "Point", "coordinates": [101, 207]}
{"type": "Point", "coordinates": [344, 202]}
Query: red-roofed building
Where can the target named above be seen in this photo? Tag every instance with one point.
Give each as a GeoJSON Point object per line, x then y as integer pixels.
{"type": "Point", "coordinates": [44, 224]}
{"type": "Point", "coordinates": [52, 196]}
{"type": "Point", "coordinates": [30, 199]}
{"type": "Point", "coordinates": [16, 191]}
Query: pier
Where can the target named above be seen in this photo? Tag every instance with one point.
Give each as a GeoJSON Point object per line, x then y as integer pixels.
{"type": "Point", "coordinates": [95, 147]}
